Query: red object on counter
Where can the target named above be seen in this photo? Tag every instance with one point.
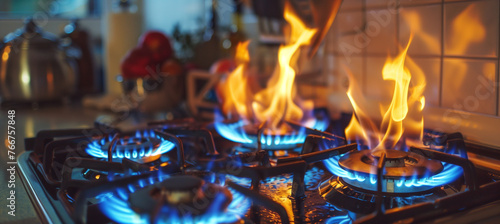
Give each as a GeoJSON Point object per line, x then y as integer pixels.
{"type": "Point", "coordinates": [137, 63]}
{"type": "Point", "coordinates": [188, 66]}
{"type": "Point", "coordinates": [172, 67]}
{"type": "Point", "coordinates": [158, 44]}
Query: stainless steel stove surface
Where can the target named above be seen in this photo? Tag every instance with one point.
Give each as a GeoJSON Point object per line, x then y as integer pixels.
{"type": "Point", "coordinates": [184, 172]}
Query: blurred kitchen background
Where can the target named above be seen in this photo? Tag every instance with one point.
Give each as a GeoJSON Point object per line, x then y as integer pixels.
{"type": "Point", "coordinates": [455, 44]}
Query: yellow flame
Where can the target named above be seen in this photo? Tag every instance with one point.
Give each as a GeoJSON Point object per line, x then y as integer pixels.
{"type": "Point", "coordinates": [403, 116]}
{"type": "Point", "coordinates": [422, 103]}
{"type": "Point", "coordinates": [276, 102]}
{"type": "Point", "coordinates": [235, 92]}
{"type": "Point", "coordinates": [361, 126]}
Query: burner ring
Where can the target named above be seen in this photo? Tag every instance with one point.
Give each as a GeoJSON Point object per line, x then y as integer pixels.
{"type": "Point", "coordinates": [389, 186]}
{"type": "Point", "coordinates": [139, 149]}
{"type": "Point", "coordinates": [270, 140]}
{"type": "Point", "coordinates": [286, 138]}
{"type": "Point", "coordinates": [142, 147]}
{"type": "Point", "coordinates": [400, 165]}
{"type": "Point", "coordinates": [131, 143]}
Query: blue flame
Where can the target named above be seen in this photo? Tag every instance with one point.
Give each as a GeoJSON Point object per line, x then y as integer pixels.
{"type": "Point", "coordinates": [449, 173]}
{"type": "Point", "coordinates": [96, 149]}
{"type": "Point", "coordinates": [116, 207]}
{"type": "Point", "coordinates": [119, 211]}
{"type": "Point", "coordinates": [236, 133]}
{"type": "Point", "coordinates": [342, 219]}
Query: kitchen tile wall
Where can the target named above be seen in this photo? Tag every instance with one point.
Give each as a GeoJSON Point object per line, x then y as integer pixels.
{"type": "Point", "coordinates": [455, 44]}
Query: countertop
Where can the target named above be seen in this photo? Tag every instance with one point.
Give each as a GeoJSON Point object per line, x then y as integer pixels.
{"type": "Point", "coordinates": [28, 123]}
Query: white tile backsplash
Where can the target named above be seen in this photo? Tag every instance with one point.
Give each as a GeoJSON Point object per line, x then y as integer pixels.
{"type": "Point", "coordinates": [348, 25]}
{"type": "Point", "coordinates": [421, 22]}
{"type": "Point", "coordinates": [468, 85]}
{"type": "Point", "coordinates": [376, 88]}
{"type": "Point", "coordinates": [380, 3]}
{"type": "Point", "coordinates": [455, 44]}
{"type": "Point", "coordinates": [471, 28]}
{"type": "Point", "coordinates": [431, 68]}
{"type": "Point", "coordinates": [380, 32]}
{"type": "Point", "coordinates": [351, 5]}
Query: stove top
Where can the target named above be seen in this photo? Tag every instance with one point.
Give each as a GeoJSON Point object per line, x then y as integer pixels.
{"type": "Point", "coordinates": [185, 172]}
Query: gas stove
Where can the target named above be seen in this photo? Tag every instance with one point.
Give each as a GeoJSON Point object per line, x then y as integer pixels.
{"type": "Point", "coordinates": [185, 172]}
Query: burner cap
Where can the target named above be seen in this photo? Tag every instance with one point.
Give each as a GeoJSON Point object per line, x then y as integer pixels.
{"type": "Point", "coordinates": [180, 189]}
{"type": "Point", "coordinates": [179, 192]}
{"type": "Point", "coordinates": [393, 158]}
{"type": "Point", "coordinates": [399, 164]}
{"type": "Point", "coordinates": [390, 154]}
{"type": "Point", "coordinates": [182, 183]}
{"type": "Point", "coordinates": [401, 170]}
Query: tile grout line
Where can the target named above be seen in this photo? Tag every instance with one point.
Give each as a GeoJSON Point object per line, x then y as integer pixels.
{"type": "Point", "coordinates": [398, 23]}
{"type": "Point", "coordinates": [364, 58]}
{"type": "Point", "coordinates": [497, 76]}
{"type": "Point", "coordinates": [441, 69]}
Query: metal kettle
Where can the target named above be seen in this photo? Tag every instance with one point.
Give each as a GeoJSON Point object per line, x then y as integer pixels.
{"type": "Point", "coordinates": [34, 67]}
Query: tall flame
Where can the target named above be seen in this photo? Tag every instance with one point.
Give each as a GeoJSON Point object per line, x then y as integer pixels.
{"type": "Point", "coordinates": [403, 114]}
{"type": "Point", "coordinates": [277, 102]}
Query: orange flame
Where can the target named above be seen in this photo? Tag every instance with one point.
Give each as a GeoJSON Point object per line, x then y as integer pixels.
{"type": "Point", "coordinates": [235, 95]}
{"type": "Point", "coordinates": [404, 113]}
{"type": "Point", "coordinates": [276, 102]}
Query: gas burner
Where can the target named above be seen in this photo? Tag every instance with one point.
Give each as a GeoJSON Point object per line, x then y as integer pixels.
{"type": "Point", "coordinates": [402, 169]}
{"type": "Point", "coordinates": [251, 136]}
{"type": "Point", "coordinates": [182, 198]}
{"type": "Point", "coordinates": [144, 146]}
{"type": "Point", "coordinates": [405, 172]}
{"type": "Point", "coordinates": [341, 194]}
{"type": "Point", "coordinates": [406, 177]}
{"type": "Point", "coordinates": [180, 192]}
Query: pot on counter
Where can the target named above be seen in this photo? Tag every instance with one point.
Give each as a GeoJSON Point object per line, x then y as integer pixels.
{"type": "Point", "coordinates": [34, 66]}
